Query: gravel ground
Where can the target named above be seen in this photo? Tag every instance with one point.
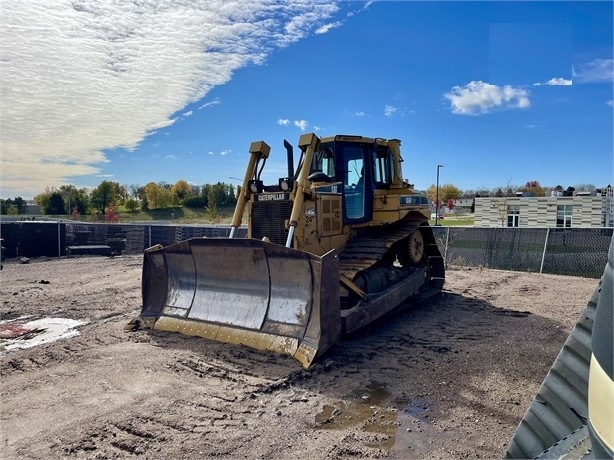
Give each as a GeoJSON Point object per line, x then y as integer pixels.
{"type": "Point", "coordinates": [449, 378]}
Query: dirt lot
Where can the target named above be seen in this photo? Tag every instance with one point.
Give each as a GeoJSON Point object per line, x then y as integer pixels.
{"type": "Point", "coordinates": [447, 379]}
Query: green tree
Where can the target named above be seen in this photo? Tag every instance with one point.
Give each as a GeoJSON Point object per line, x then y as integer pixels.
{"type": "Point", "coordinates": [204, 192]}
{"type": "Point", "coordinates": [141, 195]}
{"type": "Point", "coordinates": [20, 204]}
{"type": "Point", "coordinates": [131, 204]}
{"type": "Point", "coordinates": [211, 208]}
{"type": "Point", "coordinates": [105, 194]}
{"type": "Point", "coordinates": [42, 200]}
{"type": "Point", "coordinates": [75, 197]}
{"type": "Point", "coordinates": [55, 204]}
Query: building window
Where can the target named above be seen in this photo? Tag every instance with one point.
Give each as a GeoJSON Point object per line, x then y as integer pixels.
{"type": "Point", "coordinates": [513, 215]}
{"type": "Point", "coordinates": [563, 215]}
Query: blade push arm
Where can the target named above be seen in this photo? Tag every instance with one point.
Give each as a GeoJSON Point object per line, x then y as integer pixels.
{"type": "Point", "coordinates": [309, 143]}
{"type": "Point", "coordinates": [258, 151]}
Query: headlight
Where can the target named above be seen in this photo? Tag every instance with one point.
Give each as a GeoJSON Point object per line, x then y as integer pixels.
{"type": "Point", "coordinates": [285, 184]}
{"type": "Point", "coordinates": [256, 186]}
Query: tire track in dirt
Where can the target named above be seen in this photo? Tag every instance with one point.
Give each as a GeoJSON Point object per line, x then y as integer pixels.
{"type": "Point", "coordinates": [449, 378]}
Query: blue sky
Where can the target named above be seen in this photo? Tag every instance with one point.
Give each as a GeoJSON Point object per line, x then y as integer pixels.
{"type": "Point", "coordinates": [133, 92]}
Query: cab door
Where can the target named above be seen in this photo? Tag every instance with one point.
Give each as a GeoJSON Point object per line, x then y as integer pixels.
{"type": "Point", "coordinates": [355, 172]}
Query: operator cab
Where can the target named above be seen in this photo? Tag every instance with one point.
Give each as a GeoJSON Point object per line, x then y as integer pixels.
{"type": "Point", "coordinates": [359, 165]}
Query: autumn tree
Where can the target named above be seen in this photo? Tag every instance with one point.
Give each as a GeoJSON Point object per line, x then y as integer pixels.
{"type": "Point", "coordinates": [111, 215]}
{"type": "Point", "coordinates": [534, 188]}
{"type": "Point", "coordinates": [158, 195]}
{"type": "Point", "coordinates": [182, 190]}
{"type": "Point", "coordinates": [446, 192]}
{"type": "Point", "coordinates": [151, 192]}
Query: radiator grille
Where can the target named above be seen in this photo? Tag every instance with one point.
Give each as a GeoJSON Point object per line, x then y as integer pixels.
{"type": "Point", "coordinates": [268, 219]}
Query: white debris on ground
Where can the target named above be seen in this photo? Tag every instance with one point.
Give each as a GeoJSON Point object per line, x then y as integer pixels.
{"type": "Point", "coordinates": [38, 332]}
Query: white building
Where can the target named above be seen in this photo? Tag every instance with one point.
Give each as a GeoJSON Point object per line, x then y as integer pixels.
{"type": "Point", "coordinates": [581, 210]}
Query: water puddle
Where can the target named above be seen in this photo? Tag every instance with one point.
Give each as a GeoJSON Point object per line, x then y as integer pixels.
{"type": "Point", "coordinates": [414, 429]}
{"type": "Point", "coordinates": [20, 333]}
{"type": "Point", "coordinates": [357, 407]}
{"type": "Point", "coordinates": [370, 410]}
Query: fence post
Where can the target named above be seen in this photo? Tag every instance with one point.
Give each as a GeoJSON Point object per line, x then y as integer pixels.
{"type": "Point", "coordinates": [541, 268]}
{"type": "Point", "coordinates": [445, 251]}
{"type": "Point", "coordinates": [149, 227]}
{"type": "Point", "coordinates": [59, 240]}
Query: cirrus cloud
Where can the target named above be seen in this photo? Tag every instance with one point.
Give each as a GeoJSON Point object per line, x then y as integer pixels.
{"type": "Point", "coordinates": [80, 77]}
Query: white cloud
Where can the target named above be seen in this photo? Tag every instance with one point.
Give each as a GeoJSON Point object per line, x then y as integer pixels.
{"type": "Point", "coordinates": [187, 114]}
{"type": "Point", "coordinates": [79, 77]}
{"type": "Point", "coordinates": [302, 124]}
{"type": "Point", "coordinates": [211, 153]}
{"type": "Point", "coordinates": [360, 113]}
{"type": "Point", "coordinates": [216, 101]}
{"type": "Point", "coordinates": [170, 156]}
{"type": "Point", "coordinates": [390, 110]}
{"type": "Point", "coordinates": [225, 152]}
{"type": "Point", "coordinates": [283, 122]}
{"type": "Point", "coordinates": [556, 82]}
{"type": "Point", "coordinates": [610, 103]}
{"type": "Point", "coordinates": [478, 97]}
{"type": "Point", "coordinates": [326, 27]}
{"type": "Point", "coordinates": [595, 71]}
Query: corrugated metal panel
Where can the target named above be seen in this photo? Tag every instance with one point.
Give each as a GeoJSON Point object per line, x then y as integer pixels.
{"type": "Point", "coordinates": [560, 406]}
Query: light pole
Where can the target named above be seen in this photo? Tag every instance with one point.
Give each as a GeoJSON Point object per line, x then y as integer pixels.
{"type": "Point", "coordinates": [437, 196]}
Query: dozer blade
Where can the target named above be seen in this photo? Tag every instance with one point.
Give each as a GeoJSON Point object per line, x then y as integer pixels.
{"type": "Point", "coordinates": [244, 291]}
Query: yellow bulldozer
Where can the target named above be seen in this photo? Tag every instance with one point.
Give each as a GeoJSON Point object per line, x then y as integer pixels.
{"type": "Point", "coordinates": [340, 241]}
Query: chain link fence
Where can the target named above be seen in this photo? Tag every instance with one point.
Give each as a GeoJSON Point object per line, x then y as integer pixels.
{"type": "Point", "coordinates": [562, 251]}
